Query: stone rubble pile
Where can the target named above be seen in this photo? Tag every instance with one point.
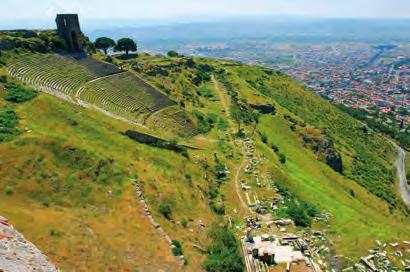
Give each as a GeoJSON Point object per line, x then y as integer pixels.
{"type": "Point", "coordinates": [18, 254]}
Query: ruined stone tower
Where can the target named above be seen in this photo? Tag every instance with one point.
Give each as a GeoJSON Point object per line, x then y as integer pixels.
{"type": "Point", "coordinates": [68, 28]}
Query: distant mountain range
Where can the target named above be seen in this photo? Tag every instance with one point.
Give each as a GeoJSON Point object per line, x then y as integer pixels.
{"type": "Point", "coordinates": [289, 29]}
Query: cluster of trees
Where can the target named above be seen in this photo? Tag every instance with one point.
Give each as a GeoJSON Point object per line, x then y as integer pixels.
{"type": "Point", "coordinates": [123, 44]}
{"type": "Point", "coordinates": [205, 121]}
{"type": "Point", "coordinates": [296, 209]}
{"type": "Point", "coordinates": [223, 253]}
{"type": "Point", "coordinates": [402, 137]}
{"type": "Point", "coordinates": [216, 199]}
{"type": "Point", "coordinates": [19, 94]}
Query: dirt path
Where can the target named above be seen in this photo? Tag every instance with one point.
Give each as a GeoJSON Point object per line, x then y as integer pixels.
{"type": "Point", "coordinates": [237, 183]}
{"type": "Point", "coordinates": [222, 98]}
{"type": "Point", "coordinates": [231, 125]}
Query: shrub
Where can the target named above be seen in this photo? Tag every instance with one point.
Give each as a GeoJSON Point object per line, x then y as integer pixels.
{"type": "Point", "coordinates": [213, 193]}
{"type": "Point", "coordinates": [188, 176]}
{"type": "Point", "coordinates": [177, 248]}
{"type": "Point", "coordinates": [54, 232]}
{"type": "Point", "coordinates": [298, 215]}
{"type": "Point", "coordinates": [201, 76]}
{"type": "Point", "coordinates": [205, 122]}
{"type": "Point", "coordinates": [18, 94]}
{"type": "Point", "coordinates": [58, 43]}
{"type": "Point", "coordinates": [274, 147]}
{"type": "Point", "coordinates": [184, 222]}
{"type": "Point", "coordinates": [190, 63]}
{"type": "Point", "coordinates": [46, 202]}
{"type": "Point", "coordinates": [8, 125]}
{"type": "Point", "coordinates": [9, 190]}
{"type": "Point", "coordinates": [282, 158]}
{"type": "Point", "coordinates": [172, 54]}
{"type": "Point", "coordinates": [223, 252]}
{"type": "Point", "coordinates": [218, 208]}
{"type": "Point", "coordinates": [165, 209]}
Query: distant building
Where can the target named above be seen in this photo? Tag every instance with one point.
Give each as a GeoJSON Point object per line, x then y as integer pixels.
{"type": "Point", "coordinates": [68, 28]}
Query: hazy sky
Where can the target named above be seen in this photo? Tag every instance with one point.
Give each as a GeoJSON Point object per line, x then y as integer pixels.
{"type": "Point", "coordinates": [201, 9]}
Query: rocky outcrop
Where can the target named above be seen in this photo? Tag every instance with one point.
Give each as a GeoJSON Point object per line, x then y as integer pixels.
{"type": "Point", "coordinates": [18, 254]}
{"type": "Point", "coordinates": [324, 149]}
{"type": "Point", "coordinates": [333, 158]}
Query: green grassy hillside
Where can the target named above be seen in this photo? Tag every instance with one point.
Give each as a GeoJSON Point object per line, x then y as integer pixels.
{"type": "Point", "coordinates": [69, 170]}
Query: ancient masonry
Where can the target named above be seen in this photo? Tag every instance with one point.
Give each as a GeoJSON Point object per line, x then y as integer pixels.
{"type": "Point", "coordinates": [159, 229]}
{"type": "Point", "coordinates": [18, 254]}
{"type": "Point", "coordinates": [68, 28]}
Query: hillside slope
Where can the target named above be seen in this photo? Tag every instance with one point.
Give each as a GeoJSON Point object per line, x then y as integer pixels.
{"type": "Point", "coordinates": [71, 172]}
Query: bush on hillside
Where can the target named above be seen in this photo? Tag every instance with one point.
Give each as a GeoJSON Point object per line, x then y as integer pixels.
{"type": "Point", "coordinates": [190, 63]}
{"type": "Point", "coordinates": [218, 208]}
{"type": "Point", "coordinates": [8, 125]}
{"type": "Point", "coordinates": [205, 122]}
{"type": "Point", "coordinates": [282, 158]}
{"type": "Point", "coordinates": [177, 248]}
{"type": "Point", "coordinates": [58, 43]}
{"type": "Point", "coordinates": [8, 190]}
{"type": "Point", "coordinates": [223, 252]}
{"type": "Point", "coordinates": [165, 209]}
{"type": "Point", "coordinates": [298, 215]}
{"type": "Point", "coordinates": [172, 54]}
{"type": "Point", "coordinates": [19, 94]}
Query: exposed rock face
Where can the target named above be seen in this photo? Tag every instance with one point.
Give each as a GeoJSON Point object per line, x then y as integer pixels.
{"type": "Point", "coordinates": [18, 254]}
{"type": "Point", "coordinates": [325, 150]}
{"type": "Point", "coordinates": [333, 159]}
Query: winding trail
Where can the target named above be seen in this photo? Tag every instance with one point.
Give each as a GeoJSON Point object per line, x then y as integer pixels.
{"type": "Point", "coordinates": [401, 173]}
